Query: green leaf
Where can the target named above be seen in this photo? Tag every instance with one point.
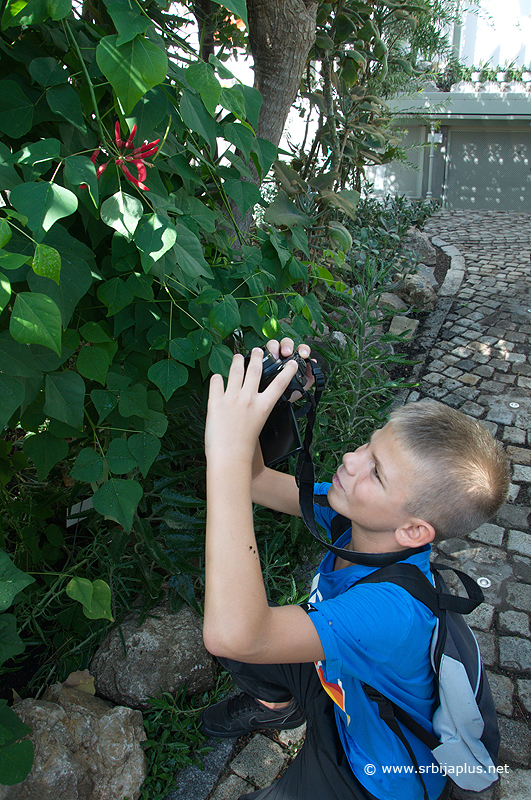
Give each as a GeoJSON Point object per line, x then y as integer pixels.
{"type": "Point", "coordinates": [189, 253]}
{"type": "Point", "coordinates": [123, 213]}
{"type": "Point", "coordinates": [145, 448]}
{"type": "Point", "coordinates": [43, 203]}
{"type": "Point", "coordinates": [283, 212]}
{"type": "Point", "coordinates": [118, 499]}
{"type": "Point", "coordinates": [225, 316]}
{"type": "Point", "coordinates": [80, 170]}
{"type": "Point", "coordinates": [11, 261]}
{"type": "Point", "coordinates": [33, 12]}
{"type": "Point", "coordinates": [245, 194]}
{"type": "Point", "coordinates": [47, 262]}
{"type": "Point", "coordinates": [39, 155]}
{"type": "Point", "coordinates": [65, 398]}
{"type": "Point", "coordinates": [201, 341]}
{"type": "Point", "coordinates": [183, 350]}
{"type": "Point", "coordinates": [11, 726]}
{"type": "Point", "coordinates": [48, 72]}
{"type": "Point", "coordinates": [128, 20]}
{"type": "Point", "coordinates": [104, 402]}
{"type": "Point", "coordinates": [346, 200]}
{"type": "Point", "coordinates": [238, 7]}
{"type": "Point", "coordinates": [80, 589]}
{"type": "Point", "coordinates": [131, 68]}
{"type": "Point", "coordinates": [5, 232]}
{"type": "Point", "coordinates": [45, 450]}
{"type": "Point", "coordinates": [10, 642]}
{"type": "Point", "coordinates": [253, 102]}
{"type": "Point", "coordinates": [75, 280]}
{"type": "Point", "coordinates": [200, 76]}
{"type": "Point", "coordinates": [133, 401]}
{"type": "Point", "coordinates": [93, 332]}
{"type": "Point", "coordinates": [93, 363]}
{"type": "Point", "coordinates": [12, 581]}
{"type": "Point", "coordinates": [240, 136]}
{"type": "Point", "coordinates": [168, 376]}
{"type": "Point", "coordinates": [154, 237]}
{"type": "Point", "coordinates": [88, 466]}
{"type": "Point", "coordinates": [16, 110]}
{"type": "Point", "coordinates": [35, 319]}
{"type": "Point", "coordinates": [220, 359]}
{"type": "Point", "coordinates": [12, 394]}
{"type": "Point", "coordinates": [271, 328]}
{"type": "Point", "coordinates": [16, 760]}
{"type": "Point", "coordinates": [119, 457]}
{"type": "Point", "coordinates": [233, 100]}
{"type": "Point", "coordinates": [196, 117]}
{"type": "Point", "coordinates": [101, 601]}
{"type": "Point", "coordinates": [141, 286]}
{"type": "Point", "coordinates": [5, 292]}
{"type": "Point", "coordinates": [115, 294]}
{"type": "Point", "coordinates": [9, 177]}
{"type": "Point", "coordinates": [266, 153]}
{"type": "Point", "coordinates": [156, 423]}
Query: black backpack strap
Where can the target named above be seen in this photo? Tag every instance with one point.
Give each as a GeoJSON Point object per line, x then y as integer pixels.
{"type": "Point", "coordinates": [410, 578]}
{"type": "Point", "coordinates": [450, 602]}
{"type": "Point", "coordinates": [387, 713]}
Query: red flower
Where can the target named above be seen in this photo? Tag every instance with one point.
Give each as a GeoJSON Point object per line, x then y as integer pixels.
{"type": "Point", "coordinates": [135, 158]}
{"type": "Point", "coordinates": [126, 159]}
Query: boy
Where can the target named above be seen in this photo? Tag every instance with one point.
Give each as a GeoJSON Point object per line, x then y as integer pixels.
{"type": "Point", "coordinates": [429, 472]}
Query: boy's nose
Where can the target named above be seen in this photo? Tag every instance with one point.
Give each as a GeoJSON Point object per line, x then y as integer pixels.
{"type": "Point", "coordinates": [353, 461]}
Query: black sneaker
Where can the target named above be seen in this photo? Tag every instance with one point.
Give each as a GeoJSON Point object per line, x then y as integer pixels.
{"type": "Point", "coordinates": [241, 714]}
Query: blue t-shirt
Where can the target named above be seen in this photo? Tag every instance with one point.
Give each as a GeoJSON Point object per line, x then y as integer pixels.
{"type": "Point", "coordinates": [380, 635]}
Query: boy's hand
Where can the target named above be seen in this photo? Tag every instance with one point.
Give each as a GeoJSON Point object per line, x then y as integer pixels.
{"type": "Point", "coordinates": [284, 349]}
{"type": "Point", "coordinates": [237, 413]}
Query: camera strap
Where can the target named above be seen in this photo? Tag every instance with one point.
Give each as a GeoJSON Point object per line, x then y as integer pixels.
{"type": "Point", "coordinates": [305, 478]}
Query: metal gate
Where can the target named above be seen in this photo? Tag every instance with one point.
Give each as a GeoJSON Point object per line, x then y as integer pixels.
{"type": "Point", "coordinates": [488, 169]}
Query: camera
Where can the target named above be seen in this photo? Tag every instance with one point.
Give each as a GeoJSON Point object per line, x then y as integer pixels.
{"type": "Point", "coordinates": [280, 436]}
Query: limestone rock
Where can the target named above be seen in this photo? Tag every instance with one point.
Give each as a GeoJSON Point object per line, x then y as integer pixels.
{"type": "Point", "coordinates": [85, 749]}
{"type": "Point", "coordinates": [161, 655]}
{"type": "Point", "coordinates": [390, 300]}
{"type": "Point", "coordinates": [417, 290]}
{"type": "Point", "coordinates": [422, 247]}
{"type": "Point", "coordinates": [403, 325]}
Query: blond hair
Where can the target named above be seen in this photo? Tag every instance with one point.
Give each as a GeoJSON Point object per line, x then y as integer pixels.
{"type": "Point", "coordinates": [461, 473]}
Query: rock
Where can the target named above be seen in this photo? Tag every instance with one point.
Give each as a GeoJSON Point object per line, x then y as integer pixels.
{"type": "Point", "coordinates": [85, 749]}
{"type": "Point", "coordinates": [403, 325]}
{"type": "Point", "coordinates": [422, 247]}
{"type": "Point", "coordinates": [161, 655]}
{"type": "Point", "coordinates": [416, 290]}
{"type": "Point", "coordinates": [390, 300]}
{"type": "Point", "coordinates": [428, 273]}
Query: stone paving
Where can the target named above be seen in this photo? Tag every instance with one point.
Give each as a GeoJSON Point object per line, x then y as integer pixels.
{"type": "Point", "coordinates": [477, 357]}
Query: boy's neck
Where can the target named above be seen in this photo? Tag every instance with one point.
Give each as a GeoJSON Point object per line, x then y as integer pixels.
{"type": "Point", "coordinates": [363, 541]}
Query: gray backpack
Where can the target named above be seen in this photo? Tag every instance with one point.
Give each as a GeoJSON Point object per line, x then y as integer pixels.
{"type": "Point", "coordinates": [466, 740]}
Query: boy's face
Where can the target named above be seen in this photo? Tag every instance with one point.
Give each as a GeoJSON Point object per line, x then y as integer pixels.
{"type": "Point", "coordinates": [372, 484]}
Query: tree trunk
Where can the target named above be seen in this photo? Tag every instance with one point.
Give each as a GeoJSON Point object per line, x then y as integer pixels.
{"type": "Point", "coordinates": [281, 33]}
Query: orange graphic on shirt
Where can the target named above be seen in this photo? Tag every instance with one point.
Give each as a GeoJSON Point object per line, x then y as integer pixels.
{"type": "Point", "coordinates": [334, 690]}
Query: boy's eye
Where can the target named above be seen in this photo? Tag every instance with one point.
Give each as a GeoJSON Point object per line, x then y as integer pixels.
{"type": "Point", "coordinates": [375, 471]}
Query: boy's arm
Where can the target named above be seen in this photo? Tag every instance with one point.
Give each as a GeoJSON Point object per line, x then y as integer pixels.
{"type": "Point", "coordinates": [238, 622]}
{"type": "Point", "coordinates": [274, 489]}
{"type": "Point", "coordinates": [271, 488]}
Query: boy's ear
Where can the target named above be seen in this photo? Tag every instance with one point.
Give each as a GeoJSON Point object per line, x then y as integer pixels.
{"type": "Point", "coordinates": [415, 534]}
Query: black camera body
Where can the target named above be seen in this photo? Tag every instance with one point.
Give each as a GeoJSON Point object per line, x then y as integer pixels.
{"type": "Point", "coordinates": [280, 436]}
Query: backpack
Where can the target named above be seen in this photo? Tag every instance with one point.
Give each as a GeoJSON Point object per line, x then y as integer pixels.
{"type": "Point", "coordinates": [466, 739]}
